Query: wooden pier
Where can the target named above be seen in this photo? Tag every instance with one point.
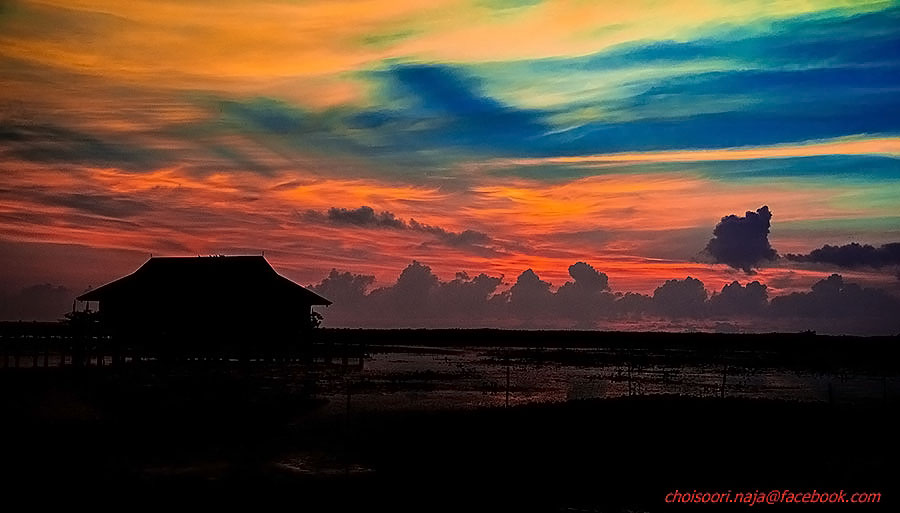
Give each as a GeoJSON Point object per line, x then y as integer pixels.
{"type": "Point", "coordinates": [41, 345]}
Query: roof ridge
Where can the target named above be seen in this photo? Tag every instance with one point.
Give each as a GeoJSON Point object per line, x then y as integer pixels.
{"type": "Point", "coordinates": [160, 276]}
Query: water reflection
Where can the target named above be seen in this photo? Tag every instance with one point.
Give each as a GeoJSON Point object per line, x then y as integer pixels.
{"type": "Point", "coordinates": [420, 378]}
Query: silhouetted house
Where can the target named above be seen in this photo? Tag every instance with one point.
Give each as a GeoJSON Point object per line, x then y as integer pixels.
{"type": "Point", "coordinates": [216, 301]}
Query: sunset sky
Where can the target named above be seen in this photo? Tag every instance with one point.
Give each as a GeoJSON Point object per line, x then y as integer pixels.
{"type": "Point", "coordinates": [487, 136]}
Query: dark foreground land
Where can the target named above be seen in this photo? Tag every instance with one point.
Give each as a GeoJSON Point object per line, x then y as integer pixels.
{"type": "Point", "coordinates": [153, 433]}
{"type": "Point", "coordinates": [222, 438]}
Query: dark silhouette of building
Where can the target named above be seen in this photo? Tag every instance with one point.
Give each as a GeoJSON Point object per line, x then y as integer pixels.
{"type": "Point", "coordinates": [229, 303]}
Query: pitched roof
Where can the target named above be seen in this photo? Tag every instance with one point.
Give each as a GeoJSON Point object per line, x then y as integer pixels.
{"type": "Point", "coordinates": [233, 276]}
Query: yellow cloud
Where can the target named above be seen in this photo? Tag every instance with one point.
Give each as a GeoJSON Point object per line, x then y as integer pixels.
{"type": "Point", "coordinates": [250, 44]}
{"type": "Point", "coordinates": [888, 146]}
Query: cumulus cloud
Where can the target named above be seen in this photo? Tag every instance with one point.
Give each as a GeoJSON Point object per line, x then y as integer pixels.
{"type": "Point", "coordinates": [344, 289]}
{"type": "Point", "coordinates": [680, 298]}
{"type": "Point", "coordinates": [633, 304]}
{"type": "Point", "coordinates": [833, 305]}
{"type": "Point", "coordinates": [419, 298]}
{"type": "Point", "coordinates": [530, 295]}
{"type": "Point", "coordinates": [413, 287]}
{"type": "Point", "coordinates": [742, 242]}
{"type": "Point", "coordinates": [466, 298]}
{"type": "Point", "coordinates": [586, 298]}
{"type": "Point", "coordinates": [587, 278]}
{"type": "Point", "coordinates": [740, 301]}
{"type": "Point", "coordinates": [853, 255]}
{"type": "Point", "coordinates": [833, 297]}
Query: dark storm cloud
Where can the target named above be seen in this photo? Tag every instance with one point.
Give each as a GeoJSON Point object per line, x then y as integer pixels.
{"type": "Point", "coordinates": [587, 278]}
{"type": "Point", "coordinates": [467, 297]}
{"type": "Point", "coordinates": [633, 304]}
{"type": "Point", "coordinates": [418, 298]}
{"type": "Point", "coordinates": [463, 238]}
{"type": "Point", "coordinates": [103, 204]}
{"type": "Point", "coordinates": [742, 242]}
{"type": "Point", "coordinates": [529, 296]}
{"type": "Point", "coordinates": [367, 217]}
{"type": "Point", "coordinates": [362, 216]}
{"type": "Point", "coordinates": [344, 289]}
{"type": "Point", "coordinates": [680, 298]}
{"type": "Point", "coordinates": [835, 306]}
{"type": "Point", "coordinates": [100, 204]}
{"type": "Point", "coordinates": [586, 298]}
{"type": "Point", "coordinates": [412, 291]}
{"type": "Point", "coordinates": [54, 144]}
{"type": "Point", "coordinates": [739, 301]}
{"type": "Point", "coordinates": [834, 297]}
{"type": "Point", "coordinates": [852, 255]}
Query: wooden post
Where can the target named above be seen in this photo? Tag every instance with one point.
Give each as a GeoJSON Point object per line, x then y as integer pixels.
{"type": "Point", "coordinates": [724, 377]}
{"type": "Point", "coordinates": [77, 350]}
{"type": "Point", "coordinates": [507, 380]}
{"type": "Point", "coordinates": [630, 382]}
{"type": "Point", "coordinates": [347, 386]}
{"type": "Point", "coordinates": [347, 423]}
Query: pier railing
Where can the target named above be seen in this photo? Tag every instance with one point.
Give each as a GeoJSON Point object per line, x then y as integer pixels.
{"type": "Point", "coordinates": [40, 345]}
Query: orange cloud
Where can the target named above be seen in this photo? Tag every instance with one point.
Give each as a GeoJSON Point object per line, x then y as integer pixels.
{"type": "Point", "coordinates": [173, 211]}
